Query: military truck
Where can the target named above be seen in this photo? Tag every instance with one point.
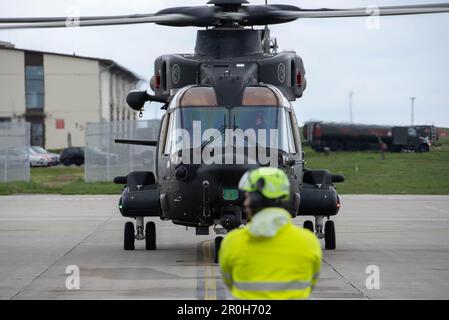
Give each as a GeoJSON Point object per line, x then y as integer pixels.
{"type": "Point", "coordinates": [430, 132]}
{"type": "Point", "coordinates": [333, 136]}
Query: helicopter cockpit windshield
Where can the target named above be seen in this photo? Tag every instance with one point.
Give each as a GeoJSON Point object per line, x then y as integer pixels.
{"type": "Point", "coordinates": [262, 119]}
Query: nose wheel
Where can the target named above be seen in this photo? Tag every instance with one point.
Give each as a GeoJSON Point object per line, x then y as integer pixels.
{"type": "Point", "coordinates": [308, 225]}
{"type": "Point", "coordinates": [328, 234]}
{"type": "Point", "coordinates": [130, 234]}
{"type": "Point", "coordinates": [217, 246]}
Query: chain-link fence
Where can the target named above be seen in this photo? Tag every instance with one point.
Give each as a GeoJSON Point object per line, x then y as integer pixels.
{"type": "Point", "coordinates": [105, 159]}
{"type": "Point", "coordinates": [14, 152]}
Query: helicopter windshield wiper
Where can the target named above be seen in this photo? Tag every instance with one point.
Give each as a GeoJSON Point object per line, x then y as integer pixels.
{"type": "Point", "coordinates": [247, 139]}
{"type": "Point", "coordinates": [212, 139]}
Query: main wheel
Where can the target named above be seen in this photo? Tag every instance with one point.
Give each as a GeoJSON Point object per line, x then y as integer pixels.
{"type": "Point", "coordinates": [329, 235]}
{"type": "Point", "coordinates": [308, 225]}
{"type": "Point", "coordinates": [129, 236]}
{"type": "Point", "coordinates": [218, 241]}
{"type": "Point", "coordinates": [423, 148]}
{"type": "Point", "coordinates": [150, 236]}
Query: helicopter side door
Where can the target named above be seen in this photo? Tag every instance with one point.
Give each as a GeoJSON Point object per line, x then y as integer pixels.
{"type": "Point", "coordinates": [293, 161]}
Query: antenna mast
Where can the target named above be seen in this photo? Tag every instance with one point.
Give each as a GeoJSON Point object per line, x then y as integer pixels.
{"type": "Point", "coordinates": [269, 45]}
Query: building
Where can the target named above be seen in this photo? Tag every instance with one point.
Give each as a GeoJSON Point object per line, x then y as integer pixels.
{"type": "Point", "coordinates": [59, 93]}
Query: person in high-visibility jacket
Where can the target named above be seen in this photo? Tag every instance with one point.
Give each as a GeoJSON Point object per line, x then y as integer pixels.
{"type": "Point", "coordinates": [269, 258]}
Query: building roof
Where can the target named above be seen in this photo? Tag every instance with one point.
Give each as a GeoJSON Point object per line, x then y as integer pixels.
{"type": "Point", "coordinates": [107, 62]}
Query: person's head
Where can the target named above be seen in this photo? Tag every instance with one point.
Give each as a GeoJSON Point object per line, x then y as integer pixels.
{"type": "Point", "coordinates": [264, 187]}
{"type": "Point", "coordinates": [259, 119]}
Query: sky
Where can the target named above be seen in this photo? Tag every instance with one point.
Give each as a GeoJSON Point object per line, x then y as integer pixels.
{"type": "Point", "coordinates": [406, 56]}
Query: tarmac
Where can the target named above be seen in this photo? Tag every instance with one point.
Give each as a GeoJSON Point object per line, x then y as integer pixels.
{"type": "Point", "coordinates": [388, 247]}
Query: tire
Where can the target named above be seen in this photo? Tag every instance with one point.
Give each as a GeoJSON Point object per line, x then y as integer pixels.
{"type": "Point", "coordinates": [308, 225]}
{"type": "Point", "coordinates": [78, 162]}
{"type": "Point", "coordinates": [423, 148]}
{"type": "Point", "coordinates": [217, 246]}
{"type": "Point", "coordinates": [129, 236]}
{"type": "Point", "coordinates": [329, 235]}
{"type": "Point", "coordinates": [66, 162]}
{"type": "Point", "coordinates": [150, 236]}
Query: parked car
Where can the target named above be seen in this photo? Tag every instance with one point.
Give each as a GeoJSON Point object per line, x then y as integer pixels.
{"type": "Point", "coordinates": [96, 155]}
{"type": "Point", "coordinates": [72, 155]}
{"type": "Point", "coordinates": [38, 159]}
{"type": "Point", "coordinates": [54, 158]}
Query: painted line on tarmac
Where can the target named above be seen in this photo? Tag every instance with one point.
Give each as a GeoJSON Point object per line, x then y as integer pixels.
{"type": "Point", "coordinates": [210, 286]}
{"type": "Point", "coordinates": [209, 283]}
{"type": "Point", "coordinates": [199, 272]}
{"type": "Point", "coordinates": [56, 198]}
{"type": "Point", "coordinates": [437, 209]}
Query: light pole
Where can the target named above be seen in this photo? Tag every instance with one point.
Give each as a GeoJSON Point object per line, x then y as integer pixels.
{"type": "Point", "coordinates": [412, 99]}
{"type": "Point", "coordinates": [351, 94]}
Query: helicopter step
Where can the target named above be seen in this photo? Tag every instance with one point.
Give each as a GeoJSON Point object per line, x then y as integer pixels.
{"type": "Point", "coordinates": [149, 235]}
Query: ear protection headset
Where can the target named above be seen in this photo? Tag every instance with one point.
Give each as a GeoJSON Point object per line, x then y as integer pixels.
{"type": "Point", "coordinates": [257, 201]}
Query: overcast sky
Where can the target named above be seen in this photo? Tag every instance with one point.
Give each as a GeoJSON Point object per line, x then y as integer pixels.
{"type": "Point", "coordinates": [408, 55]}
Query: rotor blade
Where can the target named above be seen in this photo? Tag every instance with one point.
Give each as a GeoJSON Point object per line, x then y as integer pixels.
{"type": "Point", "coordinates": [63, 19]}
{"type": "Point", "coordinates": [200, 16]}
{"type": "Point", "coordinates": [363, 12]}
{"type": "Point", "coordinates": [72, 22]}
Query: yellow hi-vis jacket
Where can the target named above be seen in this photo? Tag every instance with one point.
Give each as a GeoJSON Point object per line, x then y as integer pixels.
{"type": "Point", "coordinates": [270, 258]}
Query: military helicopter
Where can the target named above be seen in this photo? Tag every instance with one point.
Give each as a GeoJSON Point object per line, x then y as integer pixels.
{"type": "Point", "coordinates": [235, 81]}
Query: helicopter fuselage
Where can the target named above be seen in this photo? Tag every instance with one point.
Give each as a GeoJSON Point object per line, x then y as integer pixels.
{"type": "Point", "coordinates": [228, 110]}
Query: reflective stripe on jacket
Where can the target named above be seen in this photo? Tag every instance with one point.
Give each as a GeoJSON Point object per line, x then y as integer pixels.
{"type": "Point", "coordinates": [270, 258]}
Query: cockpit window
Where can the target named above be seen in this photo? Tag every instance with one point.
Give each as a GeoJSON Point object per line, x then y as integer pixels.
{"type": "Point", "coordinates": [194, 122]}
{"type": "Point", "coordinates": [259, 96]}
{"type": "Point", "coordinates": [251, 126]}
{"type": "Point", "coordinates": [199, 97]}
{"type": "Point", "coordinates": [269, 124]}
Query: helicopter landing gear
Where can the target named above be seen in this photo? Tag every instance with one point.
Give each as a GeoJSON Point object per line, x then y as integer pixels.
{"type": "Point", "coordinates": [217, 246]}
{"type": "Point", "coordinates": [328, 234]}
{"type": "Point", "coordinates": [139, 227]}
{"type": "Point", "coordinates": [150, 236]}
{"type": "Point", "coordinates": [131, 235]}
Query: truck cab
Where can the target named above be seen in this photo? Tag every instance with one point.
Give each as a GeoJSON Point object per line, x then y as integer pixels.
{"type": "Point", "coordinates": [407, 138]}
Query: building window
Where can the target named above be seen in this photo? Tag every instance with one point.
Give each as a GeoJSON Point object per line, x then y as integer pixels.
{"type": "Point", "coordinates": [5, 119]}
{"type": "Point", "coordinates": [34, 86]}
{"type": "Point", "coordinates": [34, 81]}
{"type": "Point", "coordinates": [37, 133]}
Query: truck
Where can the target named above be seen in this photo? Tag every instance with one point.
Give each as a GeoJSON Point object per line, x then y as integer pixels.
{"type": "Point", "coordinates": [430, 132]}
{"type": "Point", "coordinates": [334, 136]}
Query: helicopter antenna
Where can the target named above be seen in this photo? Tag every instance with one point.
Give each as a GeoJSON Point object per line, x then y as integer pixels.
{"type": "Point", "coordinates": [266, 37]}
{"type": "Point", "coordinates": [269, 45]}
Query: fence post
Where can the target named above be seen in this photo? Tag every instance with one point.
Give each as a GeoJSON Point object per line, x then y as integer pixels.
{"type": "Point", "coordinates": [6, 166]}
{"type": "Point", "coordinates": [108, 150]}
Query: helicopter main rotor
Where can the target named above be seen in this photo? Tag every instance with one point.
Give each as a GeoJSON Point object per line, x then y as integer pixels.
{"type": "Point", "coordinates": [221, 13]}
